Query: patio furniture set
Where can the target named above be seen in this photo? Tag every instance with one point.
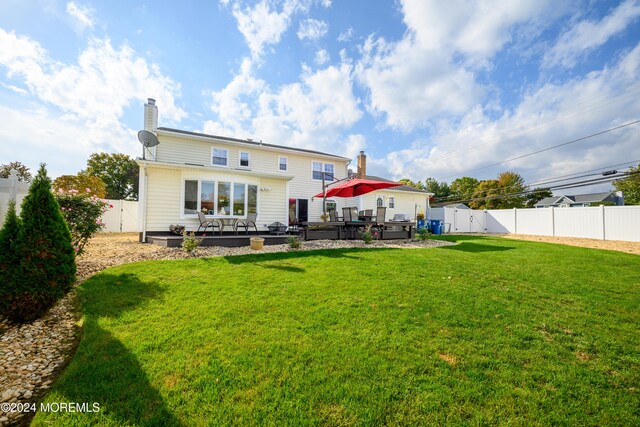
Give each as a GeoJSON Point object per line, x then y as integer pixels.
{"type": "Point", "coordinates": [353, 222]}
{"type": "Point", "coordinates": [220, 223]}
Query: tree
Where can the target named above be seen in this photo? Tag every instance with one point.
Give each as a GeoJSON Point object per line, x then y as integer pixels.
{"type": "Point", "coordinates": [630, 186]}
{"type": "Point", "coordinates": [439, 189]}
{"type": "Point", "coordinates": [91, 185]}
{"type": "Point", "coordinates": [119, 172]}
{"type": "Point", "coordinates": [47, 266]}
{"type": "Point", "coordinates": [536, 195]}
{"type": "Point", "coordinates": [509, 183]}
{"type": "Point", "coordinates": [9, 257]}
{"type": "Point", "coordinates": [419, 185]}
{"type": "Point", "coordinates": [485, 196]}
{"type": "Point", "coordinates": [463, 188]}
{"type": "Point", "coordinates": [23, 171]}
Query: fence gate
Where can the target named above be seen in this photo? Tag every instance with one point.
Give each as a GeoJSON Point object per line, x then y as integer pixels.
{"type": "Point", "coordinates": [469, 221]}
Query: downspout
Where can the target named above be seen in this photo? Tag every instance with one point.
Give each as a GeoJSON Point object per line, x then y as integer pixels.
{"type": "Point", "coordinates": [142, 200]}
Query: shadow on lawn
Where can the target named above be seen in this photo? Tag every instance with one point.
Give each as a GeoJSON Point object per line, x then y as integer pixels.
{"type": "Point", "coordinates": [258, 258]}
{"type": "Point", "coordinates": [476, 247]}
{"type": "Point", "coordinates": [104, 370]}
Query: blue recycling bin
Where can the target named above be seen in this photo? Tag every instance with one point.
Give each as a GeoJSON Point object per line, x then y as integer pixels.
{"type": "Point", "coordinates": [436, 226]}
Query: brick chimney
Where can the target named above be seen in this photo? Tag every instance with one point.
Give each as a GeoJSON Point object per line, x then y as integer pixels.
{"type": "Point", "coordinates": [150, 115]}
{"type": "Point", "coordinates": [362, 165]}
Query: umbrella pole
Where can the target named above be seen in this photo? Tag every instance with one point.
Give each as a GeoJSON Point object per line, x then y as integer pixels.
{"type": "Point", "coordinates": [324, 199]}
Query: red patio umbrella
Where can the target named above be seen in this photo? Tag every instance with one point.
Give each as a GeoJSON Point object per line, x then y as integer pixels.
{"type": "Point", "coordinates": [356, 187]}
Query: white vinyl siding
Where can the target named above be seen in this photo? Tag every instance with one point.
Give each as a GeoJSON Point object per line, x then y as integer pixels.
{"type": "Point", "coordinates": [185, 149]}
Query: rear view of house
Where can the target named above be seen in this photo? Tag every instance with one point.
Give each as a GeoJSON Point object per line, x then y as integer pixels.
{"type": "Point", "coordinates": [229, 178]}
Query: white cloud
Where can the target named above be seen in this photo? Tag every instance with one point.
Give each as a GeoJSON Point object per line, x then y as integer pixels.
{"type": "Point", "coordinates": [548, 115]}
{"type": "Point", "coordinates": [98, 88]}
{"type": "Point", "coordinates": [411, 85]}
{"type": "Point", "coordinates": [587, 35]}
{"type": "Point", "coordinates": [82, 15]}
{"type": "Point", "coordinates": [432, 70]}
{"type": "Point", "coordinates": [261, 25]}
{"type": "Point", "coordinates": [312, 29]}
{"type": "Point", "coordinates": [311, 113]}
{"type": "Point", "coordinates": [326, 3]}
{"type": "Point", "coordinates": [89, 96]}
{"type": "Point", "coordinates": [322, 57]}
{"type": "Point", "coordinates": [346, 35]}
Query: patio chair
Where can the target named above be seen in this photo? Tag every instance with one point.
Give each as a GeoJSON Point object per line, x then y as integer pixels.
{"type": "Point", "coordinates": [208, 223]}
{"type": "Point", "coordinates": [381, 211]}
{"type": "Point", "coordinates": [346, 214]}
{"type": "Point", "coordinates": [333, 216]}
{"type": "Point", "coordinates": [354, 214]}
{"type": "Point", "coordinates": [247, 223]}
{"type": "Point", "coordinates": [368, 214]}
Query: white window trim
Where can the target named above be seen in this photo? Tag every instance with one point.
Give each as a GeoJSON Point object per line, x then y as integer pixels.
{"type": "Point", "coordinates": [211, 157]}
{"type": "Point", "coordinates": [240, 153]}
{"type": "Point", "coordinates": [286, 164]}
{"type": "Point", "coordinates": [391, 200]}
{"type": "Point", "coordinates": [215, 190]}
{"type": "Point", "coordinates": [322, 165]}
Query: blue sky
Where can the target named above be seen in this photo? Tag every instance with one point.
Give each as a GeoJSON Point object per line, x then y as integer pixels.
{"type": "Point", "coordinates": [426, 88]}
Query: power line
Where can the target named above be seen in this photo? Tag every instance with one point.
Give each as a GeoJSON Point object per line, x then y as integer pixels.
{"type": "Point", "coordinates": [549, 148]}
{"type": "Point", "coordinates": [542, 182]}
{"type": "Point", "coordinates": [552, 180]}
{"type": "Point", "coordinates": [595, 181]}
{"type": "Point", "coordinates": [572, 111]}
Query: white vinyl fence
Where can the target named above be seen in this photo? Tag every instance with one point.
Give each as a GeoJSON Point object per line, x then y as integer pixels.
{"type": "Point", "coordinates": [11, 189]}
{"type": "Point", "coordinates": [599, 222]}
{"type": "Point", "coordinates": [122, 218]}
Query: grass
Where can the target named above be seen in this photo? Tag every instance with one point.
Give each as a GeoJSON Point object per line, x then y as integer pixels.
{"type": "Point", "coordinates": [490, 331]}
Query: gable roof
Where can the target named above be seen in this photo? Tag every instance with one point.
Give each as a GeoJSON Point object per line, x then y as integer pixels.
{"type": "Point", "coordinates": [593, 197]}
{"type": "Point", "coordinates": [249, 142]}
{"type": "Point", "coordinates": [575, 199]}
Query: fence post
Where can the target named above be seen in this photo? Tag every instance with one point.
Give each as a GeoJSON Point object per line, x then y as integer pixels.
{"type": "Point", "coordinates": [515, 220]}
{"type": "Point", "coordinates": [603, 223]}
{"type": "Point", "coordinates": [13, 185]}
{"type": "Point", "coordinates": [553, 222]}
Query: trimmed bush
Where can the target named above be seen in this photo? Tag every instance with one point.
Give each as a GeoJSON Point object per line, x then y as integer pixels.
{"type": "Point", "coordinates": [82, 212]}
{"type": "Point", "coordinates": [9, 258]}
{"type": "Point", "coordinates": [47, 268]}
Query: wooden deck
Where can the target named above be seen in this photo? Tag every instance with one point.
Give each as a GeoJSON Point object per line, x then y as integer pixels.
{"type": "Point", "coordinates": [352, 229]}
{"type": "Point", "coordinates": [309, 231]}
{"type": "Point", "coordinates": [229, 241]}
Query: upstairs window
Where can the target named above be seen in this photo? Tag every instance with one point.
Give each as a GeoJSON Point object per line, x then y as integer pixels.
{"type": "Point", "coordinates": [244, 159]}
{"type": "Point", "coordinates": [392, 202]}
{"type": "Point", "coordinates": [219, 157]}
{"type": "Point", "coordinates": [282, 164]}
{"type": "Point", "coordinates": [328, 171]}
{"type": "Point", "coordinates": [319, 169]}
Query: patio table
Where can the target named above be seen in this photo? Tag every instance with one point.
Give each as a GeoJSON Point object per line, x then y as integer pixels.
{"type": "Point", "coordinates": [224, 222]}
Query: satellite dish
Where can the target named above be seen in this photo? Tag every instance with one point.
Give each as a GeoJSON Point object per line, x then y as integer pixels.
{"type": "Point", "coordinates": [148, 140]}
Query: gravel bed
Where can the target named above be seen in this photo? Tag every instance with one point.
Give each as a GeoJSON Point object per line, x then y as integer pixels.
{"type": "Point", "coordinates": [33, 354]}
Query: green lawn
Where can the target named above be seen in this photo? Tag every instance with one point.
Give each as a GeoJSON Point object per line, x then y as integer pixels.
{"type": "Point", "coordinates": [491, 331]}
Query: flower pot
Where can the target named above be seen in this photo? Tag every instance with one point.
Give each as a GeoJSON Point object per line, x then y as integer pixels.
{"type": "Point", "coordinates": [257, 243]}
{"type": "Point", "coordinates": [421, 224]}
